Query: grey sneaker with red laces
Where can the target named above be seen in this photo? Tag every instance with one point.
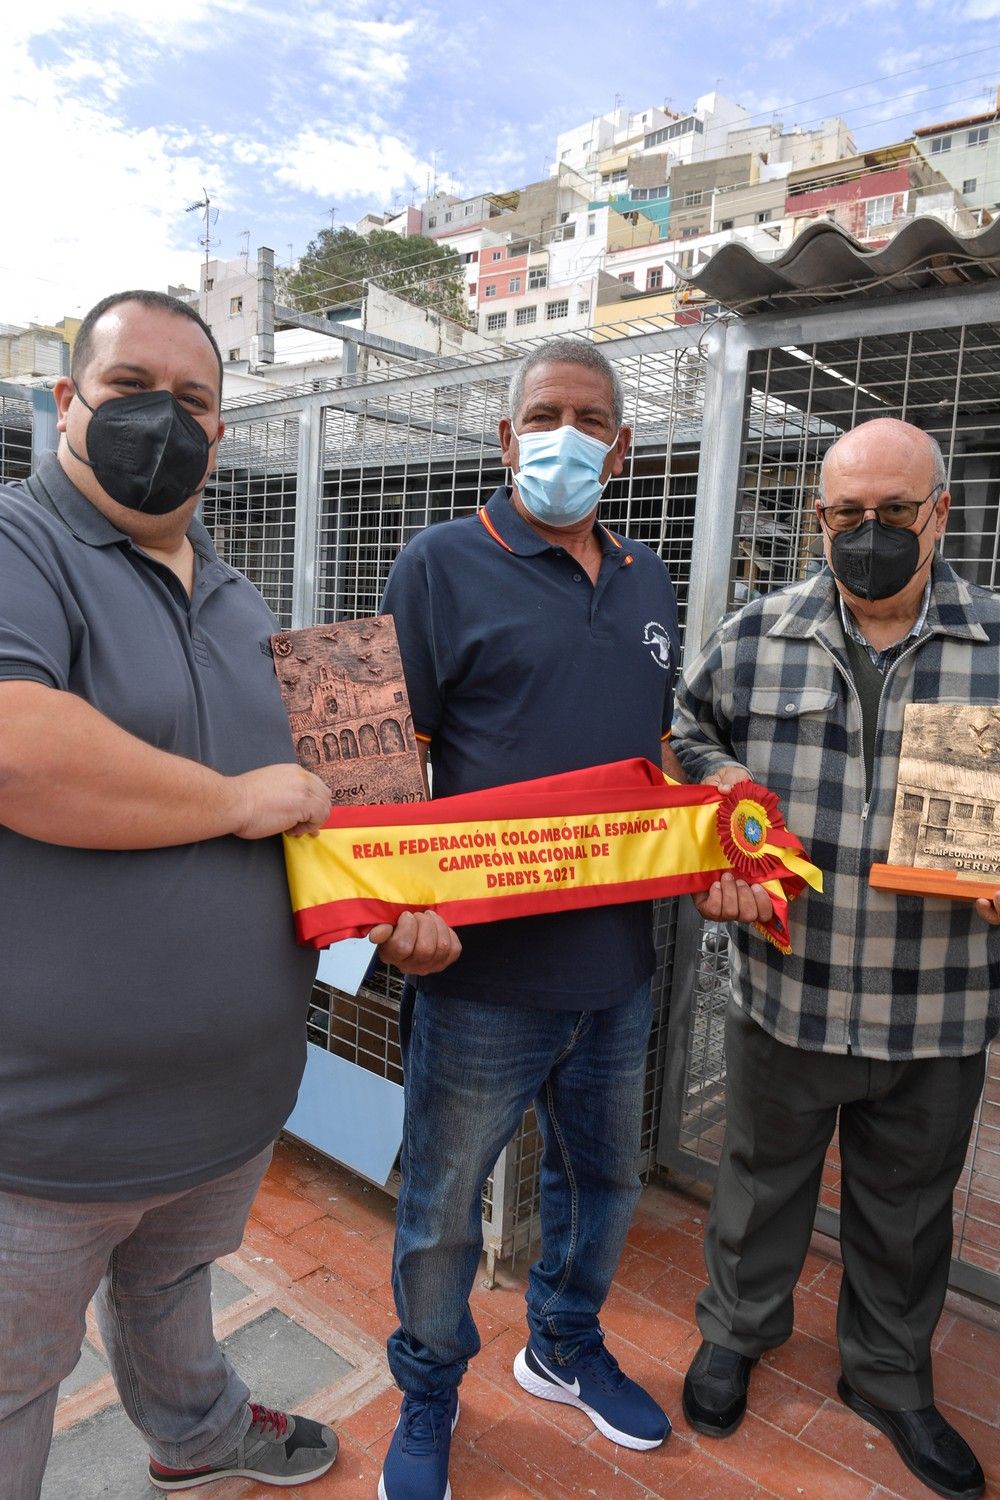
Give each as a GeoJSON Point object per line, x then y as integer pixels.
{"type": "Point", "coordinates": [277, 1449]}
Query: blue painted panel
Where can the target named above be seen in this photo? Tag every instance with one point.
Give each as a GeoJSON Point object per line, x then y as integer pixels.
{"type": "Point", "coordinates": [345, 964]}
{"type": "Point", "coordinates": [349, 1114]}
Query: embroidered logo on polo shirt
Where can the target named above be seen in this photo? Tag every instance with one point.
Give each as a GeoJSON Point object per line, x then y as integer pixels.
{"type": "Point", "coordinates": [659, 643]}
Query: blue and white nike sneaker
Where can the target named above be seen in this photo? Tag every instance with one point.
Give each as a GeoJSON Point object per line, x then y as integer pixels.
{"type": "Point", "coordinates": [618, 1408]}
{"type": "Point", "coordinates": [416, 1465]}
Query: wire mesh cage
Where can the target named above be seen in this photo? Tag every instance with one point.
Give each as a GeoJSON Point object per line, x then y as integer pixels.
{"type": "Point", "coordinates": [945, 380]}
{"type": "Point", "coordinates": [16, 426]}
{"type": "Point", "coordinates": [250, 504]}
{"type": "Point", "coordinates": [317, 491]}
{"type": "Point", "coordinates": [393, 457]}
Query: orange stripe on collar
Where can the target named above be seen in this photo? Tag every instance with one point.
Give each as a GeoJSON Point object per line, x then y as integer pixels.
{"type": "Point", "coordinates": [628, 559]}
{"type": "Point", "coordinates": [481, 513]}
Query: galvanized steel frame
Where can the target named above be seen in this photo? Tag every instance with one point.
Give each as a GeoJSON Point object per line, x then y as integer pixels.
{"type": "Point", "coordinates": [727, 347]}
{"type": "Point", "coordinates": [506, 1228]}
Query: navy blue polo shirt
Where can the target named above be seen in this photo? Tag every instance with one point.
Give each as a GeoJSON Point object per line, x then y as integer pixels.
{"type": "Point", "coordinates": [517, 666]}
{"type": "Point", "coordinates": [152, 1001]}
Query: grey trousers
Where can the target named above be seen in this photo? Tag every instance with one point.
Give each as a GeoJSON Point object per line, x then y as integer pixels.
{"type": "Point", "coordinates": [904, 1133]}
{"type": "Point", "coordinates": [148, 1261]}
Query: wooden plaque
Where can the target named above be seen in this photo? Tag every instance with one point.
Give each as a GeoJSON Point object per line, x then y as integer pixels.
{"type": "Point", "coordinates": [946, 823]}
{"type": "Point", "coordinates": [345, 696]}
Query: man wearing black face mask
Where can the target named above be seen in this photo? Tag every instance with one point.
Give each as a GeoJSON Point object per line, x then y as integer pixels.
{"type": "Point", "coordinates": [146, 452]}
{"type": "Point", "coordinates": [883, 1011]}
{"type": "Point", "coordinates": [152, 995]}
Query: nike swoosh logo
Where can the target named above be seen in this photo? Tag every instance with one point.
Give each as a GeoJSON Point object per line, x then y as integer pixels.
{"type": "Point", "coordinates": [573, 1389]}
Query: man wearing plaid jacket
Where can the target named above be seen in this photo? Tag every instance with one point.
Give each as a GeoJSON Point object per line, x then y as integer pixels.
{"type": "Point", "coordinates": [887, 1003]}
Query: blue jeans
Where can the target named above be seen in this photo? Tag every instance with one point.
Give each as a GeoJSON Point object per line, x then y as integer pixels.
{"type": "Point", "coordinates": [149, 1263]}
{"type": "Point", "coordinates": [470, 1070]}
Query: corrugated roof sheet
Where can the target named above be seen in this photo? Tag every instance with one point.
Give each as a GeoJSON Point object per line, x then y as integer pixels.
{"type": "Point", "coordinates": [824, 264]}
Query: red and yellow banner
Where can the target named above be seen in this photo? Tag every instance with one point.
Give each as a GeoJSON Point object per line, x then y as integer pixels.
{"type": "Point", "coordinates": [622, 832]}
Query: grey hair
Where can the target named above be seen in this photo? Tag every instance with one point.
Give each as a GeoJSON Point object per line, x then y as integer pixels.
{"type": "Point", "coordinates": [566, 352]}
{"type": "Point", "coordinates": [939, 468]}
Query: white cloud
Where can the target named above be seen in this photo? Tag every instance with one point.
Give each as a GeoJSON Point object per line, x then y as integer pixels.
{"type": "Point", "coordinates": [351, 49]}
{"type": "Point", "coordinates": [106, 74]}
{"type": "Point", "coordinates": [175, 21]}
{"type": "Point", "coordinates": [351, 163]}
{"type": "Point", "coordinates": [108, 207]}
{"type": "Point", "coordinates": [504, 159]}
{"type": "Point", "coordinates": [780, 48]}
{"type": "Point", "coordinates": [103, 210]}
{"type": "Point", "coordinates": [763, 105]}
{"type": "Point", "coordinates": [904, 60]}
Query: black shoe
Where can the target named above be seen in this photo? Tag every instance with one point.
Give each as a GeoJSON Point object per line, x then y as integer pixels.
{"type": "Point", "coordinates": [715, 1389]}
{"type": "Point", "coordinates": [928, 1445]}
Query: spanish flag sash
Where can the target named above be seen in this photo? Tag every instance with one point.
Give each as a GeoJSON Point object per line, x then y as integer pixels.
{"type": "Point", "coordinates": [608, 834]}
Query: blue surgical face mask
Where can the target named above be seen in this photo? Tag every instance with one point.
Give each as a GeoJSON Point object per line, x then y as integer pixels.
{"type": "Point", "coordinates": [559, 480]}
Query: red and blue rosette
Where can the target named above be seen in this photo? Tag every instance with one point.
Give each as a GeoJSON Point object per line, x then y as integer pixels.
{"type": "Point", "coordinates": [756, 843]}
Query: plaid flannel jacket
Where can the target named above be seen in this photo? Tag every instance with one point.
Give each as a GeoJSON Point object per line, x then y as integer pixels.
{"type": "Point", "coordinates": [870, 973]}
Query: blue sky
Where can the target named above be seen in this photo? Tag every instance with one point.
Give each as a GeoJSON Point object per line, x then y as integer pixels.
{"type": "Point", "coordinates": [116, 114]}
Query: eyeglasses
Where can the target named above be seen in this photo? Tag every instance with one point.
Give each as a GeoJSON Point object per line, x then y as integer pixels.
{"type": "Point", "coordinates": [896, 513]}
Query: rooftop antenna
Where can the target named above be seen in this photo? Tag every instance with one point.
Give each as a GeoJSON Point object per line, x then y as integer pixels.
{"type": "Point", "coordinates": [211, 217]}
{"type": "Point", "coordinates": [245, 252]}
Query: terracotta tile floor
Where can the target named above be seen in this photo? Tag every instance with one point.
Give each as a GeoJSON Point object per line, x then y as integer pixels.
{"type": "Point", "coordinates": [331, 1236]}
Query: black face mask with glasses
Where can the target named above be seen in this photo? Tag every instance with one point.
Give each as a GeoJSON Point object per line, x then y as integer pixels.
{"type": "Point", "coordinates": [875, 559]}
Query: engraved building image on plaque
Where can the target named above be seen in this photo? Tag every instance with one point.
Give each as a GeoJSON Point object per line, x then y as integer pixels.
{"type": "Point", "coordinates": [947, 813]}
{"type": "Point", "coordinates": [346, 701]}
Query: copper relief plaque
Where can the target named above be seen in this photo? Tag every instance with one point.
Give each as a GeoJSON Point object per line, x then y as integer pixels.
{"type": "Point", "coordinates": [345, 696]}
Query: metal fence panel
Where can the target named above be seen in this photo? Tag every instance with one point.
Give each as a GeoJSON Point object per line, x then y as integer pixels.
{"type": "Point", "coordinates": [314, 498]}
{"type": "Point", "coordinates": [250, 505]}
{"type": "Point", "coordinates": [16, 430]}
{"type": "Point", "coordinates": [316, 493]}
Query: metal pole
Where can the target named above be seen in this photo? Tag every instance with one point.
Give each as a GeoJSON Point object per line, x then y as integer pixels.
{"type": "Point", "coordinates": [718, 480]}
{"type": "Point", "coordinates": [308, 487]}
{"type": "Point", "coordinates": [44, 436]}
{"type": "Point", "coordinates": [265, 305]}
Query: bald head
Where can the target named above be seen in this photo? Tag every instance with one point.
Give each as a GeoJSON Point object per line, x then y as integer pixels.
{"type": "Point", "coordinates": [892, 471]}
{"type": "Point", "coordinates": [885, 445]}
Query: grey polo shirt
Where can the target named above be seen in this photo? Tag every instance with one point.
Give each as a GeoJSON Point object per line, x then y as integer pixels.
{"type": "Point", "coordinates": [152, 1002]}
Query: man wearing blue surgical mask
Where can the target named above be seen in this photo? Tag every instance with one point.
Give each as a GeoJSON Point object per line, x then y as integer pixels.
{"type": "Point", "coordinates": [560, 469]}
{"type": "Point", "coordinates": [534, 641]}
